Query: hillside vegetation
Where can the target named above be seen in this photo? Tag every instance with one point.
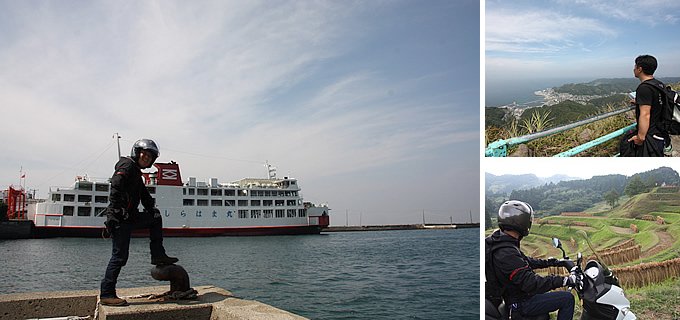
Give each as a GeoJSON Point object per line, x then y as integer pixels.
{"type": "Point", "coordinates": [504, 123]}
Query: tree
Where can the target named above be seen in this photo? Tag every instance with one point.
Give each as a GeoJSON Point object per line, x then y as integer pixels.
{"type": "Point", "coordinates": [635, 186]}
{"type": "Point", "coordinates": [488, 209]}
{"type": "Point", "coordinates": [612, 198]}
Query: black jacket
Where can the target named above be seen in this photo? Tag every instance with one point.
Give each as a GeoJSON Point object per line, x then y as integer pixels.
{"type": "Point", "coordinates": [513, 271]}
{"type": "Point", "coordinates": [128, 190]}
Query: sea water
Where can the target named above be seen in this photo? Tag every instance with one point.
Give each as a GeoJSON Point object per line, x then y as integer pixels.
{"type": "Point", "coordinates": [413, 274]}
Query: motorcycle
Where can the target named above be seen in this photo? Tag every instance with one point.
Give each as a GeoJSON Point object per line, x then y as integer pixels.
{"type": "Point", "coordinates": [599, 289]}
{"type": "Point", "coordinates": [596, 286]}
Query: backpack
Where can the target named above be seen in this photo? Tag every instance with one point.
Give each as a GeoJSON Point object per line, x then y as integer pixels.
{"type": "Point", "coordinates": [670, 102]}
{"type": "Point", "coordinates": [493, 289]}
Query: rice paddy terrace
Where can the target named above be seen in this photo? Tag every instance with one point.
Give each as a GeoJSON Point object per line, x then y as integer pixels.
{"type": "Point", "coordinates": [639, 239]}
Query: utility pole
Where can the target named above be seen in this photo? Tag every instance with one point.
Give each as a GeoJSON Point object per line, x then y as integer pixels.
{"type": "Point", "coordinates": [360, 217]}
{"type": "Point", "coordinates": [470, 216]}
{"type": "Point", "coordinates": [423, 217]}
{"type": "Point", "coordinates": [346, 217]}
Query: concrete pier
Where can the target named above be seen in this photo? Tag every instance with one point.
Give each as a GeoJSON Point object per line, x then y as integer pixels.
{"type": "Point", "coordinates": [213, 303]}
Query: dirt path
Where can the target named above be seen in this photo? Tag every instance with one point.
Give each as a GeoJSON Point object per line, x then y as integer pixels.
{"type": "Point", "coordinates": [665, 242]}
{"type": "Point", "coordinates": [621, 230]}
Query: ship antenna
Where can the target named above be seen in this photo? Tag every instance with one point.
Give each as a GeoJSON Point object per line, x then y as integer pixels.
{"type": "Point", "coordinates": [115, 135]}
{"type": "Point", "coordinates": [271, 171]}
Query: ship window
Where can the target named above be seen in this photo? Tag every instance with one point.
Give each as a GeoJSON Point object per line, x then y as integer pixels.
{"type": "Point", "coordinates": [216, 203]}
{"type": "Point", "coordinates": [216, 192]}
{"type": "Point", "coordinates": [84, 198]}
{"type": "Point", "coordinates": [192, 191]}
{"type": "Point", "coordinates": [84, 211]}
{"type": "Point", "coordinates": [68, 210]}
{"type": "Point", "coordinates": [229, 203]}
{"type": "Point", "coordinates": [84, 185]}
{"type": "Point", "coordinates": [268, 213]}
{"type": "Point", "coordinates": [278, 203]}
{"type": "Point", "coordinates": [202, 192]}
{"type": "Point", "coordinates": [243, 203]}
{"type": "Point", "coordinates": [255, 214]}
{"type": "Point", "coordinates": [229, 193]}
{"type": "Point", "coordinates": [70, 197]}
{"type": "Point", "coordinates": [279, 213]}
{"type": "Point", "coordinates": [152, 190]}
{"type": "Point", "coordinates": [290, 213]}
{"type": "Point", "coordinates": [255, 203]}
{"type": "Point", "coordinates": [101, 199]}
{"type": "Point", "coordinates": [184, 191]}
{"type": "Point", "coordinates": [56, 197]}
{"type": "Point", "coordinates": [101, 187]}
{"type": "Point", "coordinates": [267, 193]}
{"type": "Point", "coordinates": [291, 202]}
{"type": "Point", "coordinates": [100, 212]}
{"type": "Point", "coordinates": [302, 212]}
{"type": "Point", "coordinates": [292, 183]}
{"type": "Point", "coordinates": [243, 214]}
{"type": "Point", "coordinates": [188, 202]}
{"type": "Point", "coordinates": [202, 202]}
{"type": "Point", "coordinates": [267, 203]}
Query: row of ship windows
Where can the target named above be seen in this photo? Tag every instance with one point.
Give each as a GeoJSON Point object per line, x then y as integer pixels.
{"type": "Point", "coordinates": [232, 193]}
{"type": "Point", "coordinates": [241, 203]}
{"type": "Point", "coordinates": [192, 191]}
{"type": "Point", "coordinates": [188, 202]}
{"type": "Point", "coordinates": [81, 198]}
{"type": "Point", "coordinates": [243, 214]}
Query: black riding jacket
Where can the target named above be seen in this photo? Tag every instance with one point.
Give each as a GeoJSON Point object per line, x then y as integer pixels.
{"type": "Point", "coordinates": [128, 189]}
{"type": "Point", "coordinates": [514, 271]}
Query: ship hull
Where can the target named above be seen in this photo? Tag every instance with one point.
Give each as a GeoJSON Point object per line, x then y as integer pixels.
{"type": "Point", "coordinates": [90, 232]}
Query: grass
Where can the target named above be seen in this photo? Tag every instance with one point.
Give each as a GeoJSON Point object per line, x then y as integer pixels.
{"type": "Point", "coordinates": [563, 141]}
{"type": "Point", "coordinates": [658, 301]}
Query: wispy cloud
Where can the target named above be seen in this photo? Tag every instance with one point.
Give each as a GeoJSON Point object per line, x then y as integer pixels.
{"type": "Point", "coordinates": [216, 83]}
{"type": "Point", "coordinates": [653, 12]}
{"type": "Point", "coordinates": [539, 31]}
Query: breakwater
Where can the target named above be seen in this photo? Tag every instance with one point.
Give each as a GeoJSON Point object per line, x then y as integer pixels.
{"type": "Point", "coordinates": [399, 227]}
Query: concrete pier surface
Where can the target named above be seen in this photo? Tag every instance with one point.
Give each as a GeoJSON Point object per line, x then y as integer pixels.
{"type": "Point", "coordinates": [212, 303]}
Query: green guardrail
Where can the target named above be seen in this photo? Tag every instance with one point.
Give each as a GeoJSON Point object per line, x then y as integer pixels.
{"type": "Point", "coordinates": [499, 148]}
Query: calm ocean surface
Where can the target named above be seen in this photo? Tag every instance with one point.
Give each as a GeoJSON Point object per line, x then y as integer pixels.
{"type": "Point", "coordinates": [415, 274]}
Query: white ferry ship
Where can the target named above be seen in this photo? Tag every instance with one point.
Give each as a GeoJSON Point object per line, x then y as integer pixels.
{"type": "Point", "coordinates": [246, 207]}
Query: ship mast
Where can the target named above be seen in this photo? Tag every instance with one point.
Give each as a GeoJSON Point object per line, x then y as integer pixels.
{"type": "Point", "coordinates": [115, 135]}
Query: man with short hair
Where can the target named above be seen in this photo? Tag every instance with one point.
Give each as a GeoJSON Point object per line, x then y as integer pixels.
{"type": "Point", "coordinates": [122, 216]}
{"type": "Point", "coordinates": [511, 273]}
{"type": "Point", "coordinates": [651, 137]}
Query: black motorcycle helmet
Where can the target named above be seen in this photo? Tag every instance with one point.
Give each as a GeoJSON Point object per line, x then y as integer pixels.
{"type": "Point", "coordinates": [146, 145]}
{"type": "Point", "coordinates": [515, 215]}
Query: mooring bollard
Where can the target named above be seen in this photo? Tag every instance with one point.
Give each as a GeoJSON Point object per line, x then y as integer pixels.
{"type": "Point", "coordinates": [179, 282]}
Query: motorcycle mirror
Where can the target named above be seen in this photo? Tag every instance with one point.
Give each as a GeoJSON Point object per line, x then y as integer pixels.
{"type": "Point", "coordinates": [556, 243]}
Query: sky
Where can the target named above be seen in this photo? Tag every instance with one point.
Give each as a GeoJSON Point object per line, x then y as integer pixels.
{"type": "Point", "coordinates": [372, 105]}
{"type": "Point", "coordinates": [583, 39]}
{"type": "Point", "coordinates": [584, 168]}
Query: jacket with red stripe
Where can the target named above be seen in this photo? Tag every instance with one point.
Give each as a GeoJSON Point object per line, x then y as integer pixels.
{"type": "Point", "coordinates": [514, 271]}
{"type": "Point", "coordinates": [128, 189]}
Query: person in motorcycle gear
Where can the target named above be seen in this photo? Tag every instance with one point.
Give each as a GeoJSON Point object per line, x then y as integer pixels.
{"type": "Point", "coordinates": [123, 216]}
{"type": "Point", "coordinates": [510, 273]}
